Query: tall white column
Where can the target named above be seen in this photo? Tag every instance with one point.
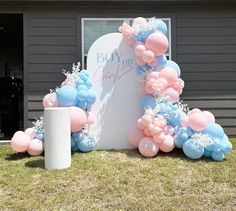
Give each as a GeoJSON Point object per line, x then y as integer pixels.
{"type": "Point", "coordinates": [57, 138]}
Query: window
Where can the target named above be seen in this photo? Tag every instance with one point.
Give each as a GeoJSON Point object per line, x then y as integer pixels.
{"type": "Point", "coordinates": [93, 28]}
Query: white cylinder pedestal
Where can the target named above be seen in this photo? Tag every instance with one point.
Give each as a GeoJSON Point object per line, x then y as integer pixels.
{"type": "Point", "coordinates": [57, 138]}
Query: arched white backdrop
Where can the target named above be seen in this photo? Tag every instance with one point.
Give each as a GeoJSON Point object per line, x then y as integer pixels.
{"type": "Point", "coordinates": [112, 67]}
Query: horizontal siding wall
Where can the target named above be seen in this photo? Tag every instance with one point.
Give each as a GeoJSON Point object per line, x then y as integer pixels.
{"type": "Point", "coordinates": [52, 47]}
{"type": "Point", "coordinates": [206, 52]}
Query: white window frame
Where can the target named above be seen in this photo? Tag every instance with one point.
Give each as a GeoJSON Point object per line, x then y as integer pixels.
{"type": "Point", "coordinates": [126, 20]}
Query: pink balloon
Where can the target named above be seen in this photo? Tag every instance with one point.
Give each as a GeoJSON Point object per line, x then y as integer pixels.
{"type": "Point", "coordinates": [169, 74]}
{"type": "Point", "coordinates": [193, 111]}
{"type": "Point", "coordinates": [153, 75]}
{"type": "Point", "coordinates": [197, 121]}
{"type": "Point", "coordinates": [30, 132]}
{"type": "Point", "coordinates": [20, 142]}
{"type": "Point", "coordinates": [78, 119]}
{"type": "Point", "coordinates": [139, 61]}
{"type": "Point", "coordinates": [69, 81]}
{"type": "Point", "coordinates": [147, 147]}
{"type": "Point", "coordinates": [139, 22]}
{"type": "Point", "coordinates": [35, 147]}
{"type": "Point", "coordinates": [90, 117]}
{"type": "Point", "coordinates": [184, 121]}
{"type": "Point", "coordinates": [168, 144]}
{"type": "Point", "coordinates": [134, 136]}
{"type": "Point", "coordinates": [171, 95]}
{"type": "Point", "coordinates": [162, 82]}
{"type": "Point", "coordinates": [157, 42]}
{"type": "Point", "coordinates": [140, 124]}
{"type": "Point", "coordinates": [139, 49]}
{"type": "Point", "coordinates": [147, 132]}
{"type": "Point", "coordinates": [209, 116]}
{"type": "Point", "coordinates": [148, 56]}
{"type": "Point", "coordinates": [50, 100]}
{"type": "Point", "coordinates": [169, 130]}
{"type": "Point", "coordinates": [159, 138]}
{"type": "Point", "coordinates": [153, 63]}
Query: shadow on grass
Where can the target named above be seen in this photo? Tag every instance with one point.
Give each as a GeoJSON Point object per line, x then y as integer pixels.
{"type": "Point", "coordinates": [176, 153]}
{"type": "Point", "coordinates": [35, 163]}
{"type": "Point", "coordinates": [17, 156]}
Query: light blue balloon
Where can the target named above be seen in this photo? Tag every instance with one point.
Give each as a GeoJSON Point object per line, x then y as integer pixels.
{"type": "Point", "coordinates": [86, 144]}
{"type": "Point", "coordinates": [207, 153]}
{"type": "Point", "coordinates": [39, 136]}
{"type": "Point", "coordinates": [82, 87]}
{"type": "Point", "coordinates": [86, 72]}
{"type": "Point", "coordinates": [159, 25]}
{"type": "Point", "coordinates": [218, 156]}
{"type": "Point", "coordinates": [91, 97]}
{"type": "Point", "coordinates": [214, 130]}
{"type": "Point", "coordinates": [161, 61]}
{"type": "Point", "coordinates": [192, 149]}
{"type": "Point", "coordinates": [83, 104]}
{"type": "Point", "coordinates": [174, 65]}
{"type": "Point", "coordinates": [67, 96]}
{"type": "Point", "coordinates": [147, 102]}
{"type": "Point", "coordinates": [82, 95]}
{"type": "Point", "coordinates": [228, 144]}
{"type": "Point", "coordinates": [88, 83]}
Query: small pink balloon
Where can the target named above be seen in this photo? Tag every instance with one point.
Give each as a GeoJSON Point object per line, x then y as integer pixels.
{"type": "Point", "coordinates": [139, 61]}
{"type": "Point", "coordinates": [168, 144]}
{"type": "Point", "coordinates": [169, 74]}
{"type": "Point", "coordinates": [30, 132]}
{"type": "Point", "coordinates": [140, 124]}
{"type": "Point", "coordinates": [35, 147]}
{"type": "Point", "coordinates": [197, 121]}
{"type": "Point", "coordinates": [20, 142]}
{"type": "Point", "coordinates": [134, 136]}
{"type": "Point", "coordinates": [50, 100]}
{"type": "Point", "coordinates": [146, 119]}
{"type": "Point", "coordinates": [139, 50]}
{"type": "Point", "coordinates": [171, 95]}
{"type": "Point", "coordinates": [153, 63]}
{"type": "Point", "coordinates": [147, 147]}
{"type": "Point", "coordinates": [90, 117]}
{"type": "Point", "coordinates": [209, 116]}
{"type": "Point", "coordinates": [148, 56]}
{"type": "Point", "coordinates": [159, 138]}
{"type": "Point", "coordinates": [162, 82]}
{"type": "Point", "coordinates": [78, 119]}
{"type": "Point", "coordinates": [193, 111]}
{"type": "Point", "coordinates": [139, 22]}
{"type": "Point", "coordinates": [69, 81]}
{"type": "Point", "coordinates": [157, 43]}
{"type": "Point", "coordinates": [184, 121]}
{"type": "Point", "coordinates": [153, 75]}
{"type": "Point", "coordinates": [147, 132]}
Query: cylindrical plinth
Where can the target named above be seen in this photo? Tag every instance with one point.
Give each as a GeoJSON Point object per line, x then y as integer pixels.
{"type": "Point", "coordinates": [57, 138]}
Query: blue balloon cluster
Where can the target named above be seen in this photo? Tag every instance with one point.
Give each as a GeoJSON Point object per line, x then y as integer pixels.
{"type": "Point", "coordinates": [81, 95]}
{"type": "Point", "coordinates": [82, 142]}
{"type": "Point", "coordinates": [212, 142]}
{"type": "Point", "coordinates": [39, 135]}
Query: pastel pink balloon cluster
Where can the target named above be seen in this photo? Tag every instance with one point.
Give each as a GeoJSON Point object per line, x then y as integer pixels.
{"type": "Point", "coordinates": [197, 120]}
{"type": "Point", "coordinates": [26, 142]}
{"type": "Point", "coordinates": [151, 135]}
{"type": "Point", "coordinates": [128, 33]}
{"type": "Point", "coordinates": [165, 83]}
{"type": "Point", "coordinates": [155, 45]}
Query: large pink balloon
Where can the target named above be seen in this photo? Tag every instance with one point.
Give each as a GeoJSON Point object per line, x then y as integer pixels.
{"type": "Point", "coordinates": [157, 42]}
{"type": "Point", "coordinates": [148, 147]}
{"type": "Point", "coordinates": [134, 136]}
{"type": "Point", "coordinates": [209, 116]}
{"type": "Point", "coordinates": [153, 75]}
{"type": "Point", "coordinates": [169, 74]}
{"type": "Point", "coordinates": [168, 144]}
{"type": "Point", "coordinates": [35, 147]}
{"type": "Point", "coordinates": [193, 111]}
{"type": "Point", "coordinates": [50, 100]}
{"type": "Point", "coordinates": [20, 142]}
{"type": "Point", "coordinates": [90, 117]}
{"type": "Point", "coordinates": [30, 132]}
{"type": "Point", "coordinates": [197, 121]}
{"type": "Point", "coordinates": [78, 119]}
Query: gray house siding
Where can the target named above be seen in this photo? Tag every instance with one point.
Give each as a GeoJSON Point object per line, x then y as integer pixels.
{"type": "Point", "coordinates": [203, 39]}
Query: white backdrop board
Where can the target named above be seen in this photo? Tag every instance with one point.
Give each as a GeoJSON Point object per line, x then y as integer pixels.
{"type": "Point", "coordinates": [112, 67]}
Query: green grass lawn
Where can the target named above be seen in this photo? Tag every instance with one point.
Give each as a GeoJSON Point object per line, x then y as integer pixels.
{"type": "Point", "coordinates": [111, 180]}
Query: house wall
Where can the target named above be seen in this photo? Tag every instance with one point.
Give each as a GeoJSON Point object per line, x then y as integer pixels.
{"type": "Point", "coordinates": [203, 38]}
